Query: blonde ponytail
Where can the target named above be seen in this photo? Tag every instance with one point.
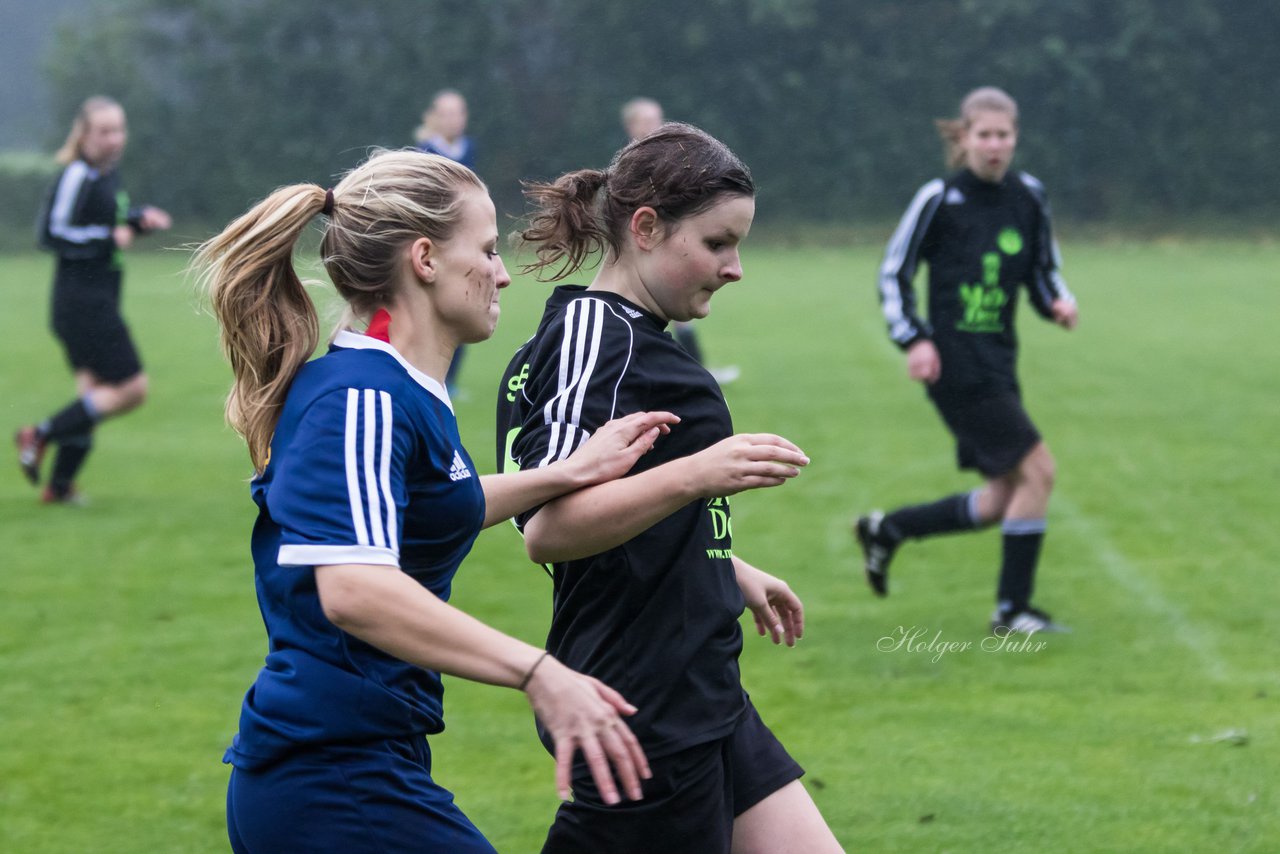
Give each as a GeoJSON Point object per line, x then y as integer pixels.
{"type": "Point", "coordinates": [269, 324]}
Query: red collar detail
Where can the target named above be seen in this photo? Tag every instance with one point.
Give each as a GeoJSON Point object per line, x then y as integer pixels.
{"type": "Point", "coordinates": [380, 326]}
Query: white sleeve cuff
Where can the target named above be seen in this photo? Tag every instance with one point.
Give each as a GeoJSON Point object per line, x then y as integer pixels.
{"type": "Point", "coordinates": [334, 555]}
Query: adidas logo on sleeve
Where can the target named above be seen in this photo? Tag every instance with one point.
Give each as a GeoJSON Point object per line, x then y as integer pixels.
{"type": "Point", "coordinates": [458, 471]}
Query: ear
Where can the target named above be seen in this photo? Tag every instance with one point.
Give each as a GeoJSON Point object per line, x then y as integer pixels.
{"type": "Point", "coordinates": [422, 259]}
{"type": "Point", "coordinates": [646, 228]}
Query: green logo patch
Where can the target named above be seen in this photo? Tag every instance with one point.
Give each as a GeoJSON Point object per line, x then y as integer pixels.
{"type": "Point", "coordinates": [1009, 241]}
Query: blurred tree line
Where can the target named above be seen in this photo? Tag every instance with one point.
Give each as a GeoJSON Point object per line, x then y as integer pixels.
{"type": "Point", "coordinates": [1131, 108]}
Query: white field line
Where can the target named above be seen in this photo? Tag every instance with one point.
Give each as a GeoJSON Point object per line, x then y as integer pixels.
{"type": "Point", "coordinates": [1142, 590]}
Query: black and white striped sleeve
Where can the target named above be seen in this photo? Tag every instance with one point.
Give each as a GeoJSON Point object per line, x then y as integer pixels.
{"type": "Point", "coordinates": [574, 381]}
{"type": "Point", "coordinates": [898, 270]}
{"type": "Point", "coordinates": [65, 235]}
{"type": "Point", "coordinates": [1047, 285]}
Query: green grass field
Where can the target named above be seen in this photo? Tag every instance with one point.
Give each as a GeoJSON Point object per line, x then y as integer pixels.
{"type": "Point", "coordinates": [129, 631]}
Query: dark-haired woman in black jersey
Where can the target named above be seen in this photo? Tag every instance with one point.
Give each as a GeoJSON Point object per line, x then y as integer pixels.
{"type": "Point", "coordinates": [648, 589]}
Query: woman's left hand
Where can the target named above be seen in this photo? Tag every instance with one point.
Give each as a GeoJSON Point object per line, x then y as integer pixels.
{"type": "Point", "coordinates": [778, 611]}
{"type": "Point", "coordinates": [614, 448]}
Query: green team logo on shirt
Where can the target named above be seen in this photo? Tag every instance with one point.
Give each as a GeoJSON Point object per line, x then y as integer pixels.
{"type": "Point", "coordinates": [983, 301]}
{"type": "Point", "coordinates": [517, 382]}
{"type": "Point", "coordinates": [721, 526]}
{"type": "Point", "coordinates": [1009, 241]}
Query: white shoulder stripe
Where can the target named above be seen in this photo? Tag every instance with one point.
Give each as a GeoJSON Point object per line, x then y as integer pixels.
{"type": "Point", "coordinates": [368, 468]}
{"type": "Point", "coordinates": [896, 256]}
{"type": "Point", "coordinates": [370, 473]}
{"type": "Point", "coordinates": [353, 469]}
{"type": "Point", "coordinates": [73, 178]}
{"type": "Point", "coordinates": [584, 326]}
{"type": "Point", "coordinates": [384, 474]}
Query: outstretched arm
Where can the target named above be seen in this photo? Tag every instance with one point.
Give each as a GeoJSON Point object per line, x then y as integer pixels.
{"type": "Point", "coordinates": [601, 517]}
{"type": "Point", "coordinates": [386, 608]}
{"type": "Point", "coordinates": [609, 453]}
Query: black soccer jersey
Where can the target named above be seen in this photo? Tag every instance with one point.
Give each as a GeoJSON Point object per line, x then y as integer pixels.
{"type": "Point", "coordinates": [656, 617]}
{"type": "Point", "coordinates": [982, 242]}
{"type": "Point", "coordinates": [83, 206]}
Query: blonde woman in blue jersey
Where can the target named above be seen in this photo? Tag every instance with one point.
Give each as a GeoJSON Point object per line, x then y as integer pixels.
{"type": "Point", "coordinates": [367, 504]}
{"type": "Point", "coordinates": [985, 233]}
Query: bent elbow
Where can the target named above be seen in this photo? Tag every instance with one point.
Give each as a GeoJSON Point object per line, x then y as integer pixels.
{"type": "Point", "coordinates": [340, 599]}
{"type": "Point", "coordinates": [538, 551]}
{"type": "Point", "coordinates": [537, 543]}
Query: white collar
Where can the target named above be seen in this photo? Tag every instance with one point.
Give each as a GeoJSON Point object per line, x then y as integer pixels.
{"type": "Point", "coordinates": [355, 341]}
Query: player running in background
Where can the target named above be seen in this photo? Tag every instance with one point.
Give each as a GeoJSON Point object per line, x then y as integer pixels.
{"type": "Point", "coordinates": [641, 117]}
{"type": "Point", "coordinates": [648, 590]}
{"type": "Point", "coordinates": [86, 223]}
{"type": "Point", "coordinates": [368, 503]}
{"type": "Point", "coordinates": [985, 233]}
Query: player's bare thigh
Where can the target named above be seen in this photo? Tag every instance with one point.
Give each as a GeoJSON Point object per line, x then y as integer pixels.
{"type": "Point", "coordinates": [786, 822]}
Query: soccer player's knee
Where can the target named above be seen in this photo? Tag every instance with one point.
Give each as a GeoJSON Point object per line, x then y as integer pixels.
{"type": "Point", "coordinates": [1043, 470]}
{"type": "Point", "coordinates": [135, 391]}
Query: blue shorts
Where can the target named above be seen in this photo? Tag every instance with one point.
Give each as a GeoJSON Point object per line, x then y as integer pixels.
{"type": "Point", "coordinates": [369, 797]}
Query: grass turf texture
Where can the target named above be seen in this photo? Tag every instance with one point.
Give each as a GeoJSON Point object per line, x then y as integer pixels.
{"type": "Point", "coordinates": [128, 629]}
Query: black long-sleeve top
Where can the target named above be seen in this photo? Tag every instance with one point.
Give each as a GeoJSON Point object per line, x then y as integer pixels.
{"type": "Point", "coordinates": [982, 241]}
{"type": "Point", "coordinates": [85, 205]}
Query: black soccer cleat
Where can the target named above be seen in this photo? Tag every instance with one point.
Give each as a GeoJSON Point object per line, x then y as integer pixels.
{"type": "Point", "coordinates": [877, 550]}
{"type": "Point", "coordinates": [30, 445]}
{"type": "Point", "coordinates": [1027, 621]}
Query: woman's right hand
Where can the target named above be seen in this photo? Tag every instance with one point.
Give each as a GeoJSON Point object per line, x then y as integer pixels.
{"type": "Point", "coordinates": [614, 448]}
{"type": "Point", "coordinates": [123, 236]}
{"type": "Point", "coordinates": [923, 362]}
{"type": "Point", "coordinates": [745, 461]}
{"type": "Point", "coordinates": [582, 713]}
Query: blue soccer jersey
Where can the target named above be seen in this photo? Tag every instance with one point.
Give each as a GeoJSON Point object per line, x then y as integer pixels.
{"type": "Point", "coordinates": [365, 467]}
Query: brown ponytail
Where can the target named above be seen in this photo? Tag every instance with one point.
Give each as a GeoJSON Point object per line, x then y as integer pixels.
{"type": "Point", "coordinates": [986, 99]}
{"type": "Point", "coordinates": [678, 170]}
{"type": "Point", "coordinates": [269, 324]}
{"type": "Point", "coordinates": [565, 227]}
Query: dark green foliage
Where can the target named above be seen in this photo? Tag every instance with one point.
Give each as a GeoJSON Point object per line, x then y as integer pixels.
{"type": "Point", "coordinates": [25, 178]}
{"type": "Point", "coordinates": [1130, 107]}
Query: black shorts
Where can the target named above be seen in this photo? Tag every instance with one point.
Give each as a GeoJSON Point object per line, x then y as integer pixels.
{"type": "Point", "coordinates": [993, 433]}
{"type": "Point", "coordinates": [86, 319]}
{"type": "Point", "coordinates": [689, 804]}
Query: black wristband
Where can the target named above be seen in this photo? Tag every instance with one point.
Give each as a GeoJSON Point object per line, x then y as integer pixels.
{"type": "Point", "coordinates": [524, 683]}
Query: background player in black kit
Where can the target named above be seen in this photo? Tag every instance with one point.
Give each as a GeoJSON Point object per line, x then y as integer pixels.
{"type": "Point", "coordinates": [86, 223]}
{"type": "Point", "coordinates": [985, 233]}
{"type": "Point", "coordinates": [648, 591]}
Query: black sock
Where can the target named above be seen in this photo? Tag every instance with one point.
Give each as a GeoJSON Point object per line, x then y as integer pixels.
{"type": "Point", "coordinates": [688, 339]}
{"type": "Point", "coordinates": [72, 452]}
{"type": "Point", "coordinates": [1022, 541]}
{"type": "Point", "coordinates": [953, 513]}
{"type": "Point", "coordinates": [72, 420]}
